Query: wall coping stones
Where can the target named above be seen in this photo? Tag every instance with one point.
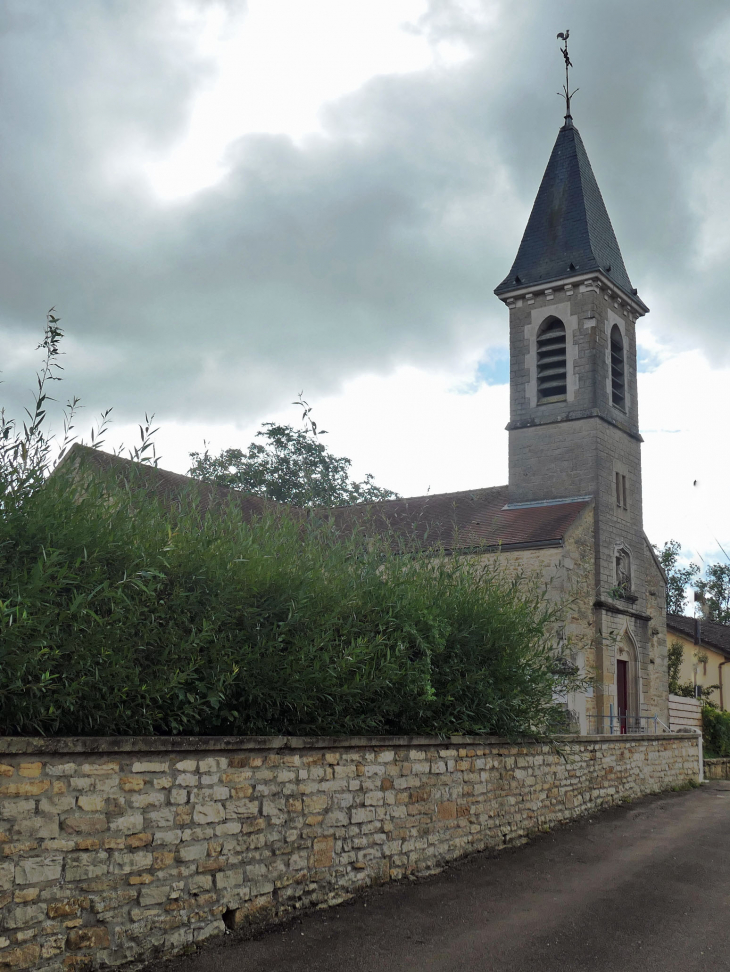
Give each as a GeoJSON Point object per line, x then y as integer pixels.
{"type": "Point", "coordinates": [162, 744]}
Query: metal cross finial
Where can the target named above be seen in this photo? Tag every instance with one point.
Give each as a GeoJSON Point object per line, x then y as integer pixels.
{"type": "Point", "coordinates": [566, 93]}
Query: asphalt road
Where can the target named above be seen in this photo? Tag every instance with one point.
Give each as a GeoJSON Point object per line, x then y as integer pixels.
{"type": "Point", "coordinates": [645, 886]}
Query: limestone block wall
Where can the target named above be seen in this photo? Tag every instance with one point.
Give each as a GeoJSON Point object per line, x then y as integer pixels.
{"type": "Point", "coordinates": [122, 850]}
{"type": "Point", "coordinates": [568, 575]}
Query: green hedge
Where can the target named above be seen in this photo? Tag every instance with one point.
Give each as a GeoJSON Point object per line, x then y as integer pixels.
{"type": "Point", "coordinates": [715, 732]}
{"type": "Point", "coordinates": [120, 616]}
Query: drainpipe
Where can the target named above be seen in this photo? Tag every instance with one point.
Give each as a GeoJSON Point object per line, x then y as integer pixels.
{"type": "Point", "coordinates": [701, 757]}
{"type": "Point", "coordinates": [719, 675]}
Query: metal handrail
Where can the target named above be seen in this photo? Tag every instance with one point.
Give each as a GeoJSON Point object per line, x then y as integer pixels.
{"type": "Point", "coordinates": [624, 724]}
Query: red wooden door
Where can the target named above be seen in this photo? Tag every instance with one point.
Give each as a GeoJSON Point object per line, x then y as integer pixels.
{"type": "Point", "coordinates": [622, 692]}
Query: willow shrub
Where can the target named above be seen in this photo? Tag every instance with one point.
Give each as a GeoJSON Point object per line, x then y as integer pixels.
{"type": "Point", "coordinates": [120, 616]}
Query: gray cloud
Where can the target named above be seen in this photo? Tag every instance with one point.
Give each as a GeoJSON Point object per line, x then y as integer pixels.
{"type": "Point", "coordinates": [375, 244]}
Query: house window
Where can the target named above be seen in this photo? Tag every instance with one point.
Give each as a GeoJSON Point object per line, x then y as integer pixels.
{"type": "Point", "coordinates": [623, 491]}
{"type": "Point", "coordinates": [618, 489]}
{"type": "Point", "coordinates": [618, 376]}
{"type": "Point", "coordinates": [551, 361]}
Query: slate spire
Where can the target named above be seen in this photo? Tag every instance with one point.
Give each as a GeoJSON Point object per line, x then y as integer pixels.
{"type": "Point", "coordinates": [569, 230]}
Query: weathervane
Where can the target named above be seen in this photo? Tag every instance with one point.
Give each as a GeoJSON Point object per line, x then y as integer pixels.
{"type": "Point", "coordinates": [566, 93]}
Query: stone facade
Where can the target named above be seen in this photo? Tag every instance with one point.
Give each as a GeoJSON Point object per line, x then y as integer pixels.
{"type": "Point", "coordinates": [566, 573]}
{"type": "Point", "coordinates": [594, 635]}
{"type": "Point", "coordinates": [120, 850]}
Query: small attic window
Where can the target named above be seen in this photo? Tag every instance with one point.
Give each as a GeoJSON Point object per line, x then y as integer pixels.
{"type": "Point", "coordinates": [517, 280]}
{"type": "Point", "coordinates": [618, 369]}
{"type": "Point", "coordinates": [551, 361]}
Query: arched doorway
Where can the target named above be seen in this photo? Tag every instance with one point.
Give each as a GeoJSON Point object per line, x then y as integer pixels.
{"type": "Point", "coordinates": [628, 709]}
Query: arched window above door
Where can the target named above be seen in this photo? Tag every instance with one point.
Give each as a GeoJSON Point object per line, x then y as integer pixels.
{"type": "Point", "coordinates": [551, 361]}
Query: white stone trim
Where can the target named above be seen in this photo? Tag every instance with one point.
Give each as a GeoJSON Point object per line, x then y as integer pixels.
{"type": "Point", "coordinates": [595, 281]}
{"type": "Point", "coordinates": [635, 689]}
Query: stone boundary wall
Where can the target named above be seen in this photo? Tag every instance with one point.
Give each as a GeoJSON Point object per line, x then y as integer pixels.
{"type": "Point", "coordinates": [717, 769]}
{"type": "Point", "coordinates": [121, 850]}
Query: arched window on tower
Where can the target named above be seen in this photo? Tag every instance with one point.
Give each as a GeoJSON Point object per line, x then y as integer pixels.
{"type": "Point", "coordinates": [551, 361]}
{"type": "Point", "coordinates": [618, 369]}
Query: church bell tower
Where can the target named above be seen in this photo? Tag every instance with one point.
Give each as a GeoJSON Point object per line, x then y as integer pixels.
{"type": "Point", "coordinates": [574, 425]}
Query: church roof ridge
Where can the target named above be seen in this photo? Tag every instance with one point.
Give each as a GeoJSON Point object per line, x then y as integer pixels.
{"type": "Point", "coordinates": [476, 493]}
{"type": "Point", "coordinates": [469, 519]}
{"type": "Point", "coordinates": [569, 230]}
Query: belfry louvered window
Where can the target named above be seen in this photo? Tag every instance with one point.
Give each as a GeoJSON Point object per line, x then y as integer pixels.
{"type": "Point", "coordinates": [618, 375]}
{"type": "Point", "coordinates": [551, 361]}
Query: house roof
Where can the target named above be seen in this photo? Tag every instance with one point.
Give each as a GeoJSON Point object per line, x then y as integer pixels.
{"type": "Point", "coordinates": [711, 633]}
{"type": "Point", "coordinates": [465, 520]}
{"type": "Point", "coordinates": [569, 230]}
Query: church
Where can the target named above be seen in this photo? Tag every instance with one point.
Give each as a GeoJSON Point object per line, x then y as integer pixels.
{"type": "Point", "coordinates": [571, 513]}
{"type": "Point", "coordinates": [574, 440]}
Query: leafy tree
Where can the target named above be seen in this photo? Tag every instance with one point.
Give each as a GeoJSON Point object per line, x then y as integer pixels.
{"type": "Point", "coordinates": [714, 591]}
{"type": "Point", "coordinates": [678, 578]}
{"type": "Point", "coordinates": [675, 655]}
{"type": "Point", "coordinates": [289, 465]}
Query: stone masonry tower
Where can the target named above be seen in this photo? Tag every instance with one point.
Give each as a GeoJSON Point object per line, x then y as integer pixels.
{"type": "Point", "coordinates": [574, 427]}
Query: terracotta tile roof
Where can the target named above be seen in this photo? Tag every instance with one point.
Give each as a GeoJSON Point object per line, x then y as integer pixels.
{"type": "Point", "coordinates": [711, 633]}
{"type": "Point", "coordinates": [469, 519]}
{"type": "Point", "coordinates": [166, 485]}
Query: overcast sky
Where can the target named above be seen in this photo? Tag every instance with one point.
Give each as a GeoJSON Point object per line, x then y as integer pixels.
{"type": "Point", "coordinates": [231, 202]}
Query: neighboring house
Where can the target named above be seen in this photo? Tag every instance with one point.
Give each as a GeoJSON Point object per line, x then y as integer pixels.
{"type": "Point", "coordinates": [572, 509]}
{"type": "Point", "coordinates": [706, 647]}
